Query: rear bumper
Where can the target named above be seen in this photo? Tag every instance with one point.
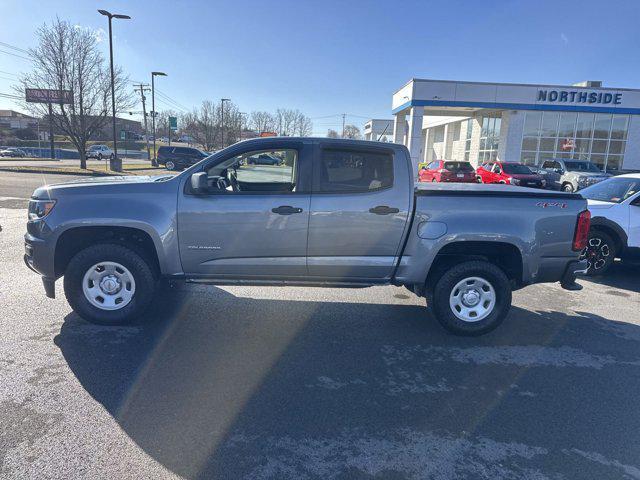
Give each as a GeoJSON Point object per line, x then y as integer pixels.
{"type": "Point", "coordinates": [558, 269]}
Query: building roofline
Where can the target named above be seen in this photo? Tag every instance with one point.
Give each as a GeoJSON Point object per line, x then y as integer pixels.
{"type": "Point", "coordinates": [415, 80]}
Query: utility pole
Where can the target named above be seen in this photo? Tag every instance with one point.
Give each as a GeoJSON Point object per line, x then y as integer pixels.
{"type": "Point", "coordinates": [242, 114]}
{"type": "Point", "coordinates": [154, 162]}
{"type": "Point", "coordinates": [343, 116]}
{"type": "Point", "coordinates": [222, 100]}
{"type": "Point", "coordinates": [142, 87]}
{"type": "Point", "coordinates": [51, 137]}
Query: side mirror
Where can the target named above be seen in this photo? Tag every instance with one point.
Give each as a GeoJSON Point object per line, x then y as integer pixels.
{"type": "Point", "coordinates": [199, 182]}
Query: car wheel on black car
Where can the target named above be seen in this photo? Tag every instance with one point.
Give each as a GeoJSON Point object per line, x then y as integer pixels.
{"type": "Point", "coordinates": [109, 284]}
{"type": "Point", "coordinates": [599, 253]}
{"type": "Point", "coordinates": [170, 165]}
{"type": "Point", "coordinates": [471, 298]}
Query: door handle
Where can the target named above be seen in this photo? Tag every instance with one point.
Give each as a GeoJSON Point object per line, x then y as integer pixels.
{"type": "Point", "coordinates": [286, 210]}
{"type": "Point", "coordinates": [383, 210]}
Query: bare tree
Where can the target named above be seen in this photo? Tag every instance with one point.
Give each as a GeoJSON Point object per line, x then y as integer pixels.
{"type": "Point", "coordinates": [205, 124]}
{"type": "Point", "coordinates": [303, 127]}
{"type": "Point", "coordinates": [262, 122]}
{"type": "Point", "coordinates": [353, 132]}
{"type": "Point", "coordinates": [332, 133]}
{"type": "Point", "coordinates": [67, 58]}
{"type": "Point", "coordinates": [286, 121]}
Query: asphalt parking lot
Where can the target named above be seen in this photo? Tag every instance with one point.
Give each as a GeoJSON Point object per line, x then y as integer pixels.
{"type": "Point", "coordinates": [306, 383]}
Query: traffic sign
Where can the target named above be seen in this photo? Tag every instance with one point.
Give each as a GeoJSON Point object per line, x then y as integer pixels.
{"type": "Point", "coordinates": [173, 123]}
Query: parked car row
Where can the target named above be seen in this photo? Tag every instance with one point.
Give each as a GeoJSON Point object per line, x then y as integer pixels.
{"type": "Point", "coordinates": [554, 174]}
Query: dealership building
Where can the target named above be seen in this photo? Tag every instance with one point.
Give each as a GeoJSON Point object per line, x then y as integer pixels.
{"type": "Point", "coordinates": [480, 122]}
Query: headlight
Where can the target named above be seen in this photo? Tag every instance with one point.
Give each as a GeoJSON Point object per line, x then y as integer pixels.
{"type": "Point", "coordinates": [40, 208]}
{"type": "Point", "coordinates": [514, 181]}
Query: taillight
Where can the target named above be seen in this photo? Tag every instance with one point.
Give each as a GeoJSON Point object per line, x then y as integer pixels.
{"type": "Point", "coordinates": [582, 231]}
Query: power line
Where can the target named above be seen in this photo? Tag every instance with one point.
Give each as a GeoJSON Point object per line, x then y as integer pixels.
{"type": "Point", "coordinates": [8, 73]}
{"type": "Point", "coordinates": [169, 99]}
{"type": "Point", "coordinates": [16, 55]}
{"type": "Point", "coordinates": [7, 78]}
{"type": "Point", "coordinates": [13, 47]}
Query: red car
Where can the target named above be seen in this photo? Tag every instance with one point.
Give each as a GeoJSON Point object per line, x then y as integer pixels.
{"type": "Point", "coordinates": [447, 171]}
{"type": "Point", "coordinates": [511, 173]}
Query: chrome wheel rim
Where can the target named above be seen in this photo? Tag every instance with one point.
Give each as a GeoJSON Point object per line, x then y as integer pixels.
{"type": "Point", "coordinates": [472, 299]}
{"type": "Point", "coordinates": [108, 286]}
{"type": "Point", "coordinates": [170, 165]}
{"type": "Point", "coordinates": [596, 253]}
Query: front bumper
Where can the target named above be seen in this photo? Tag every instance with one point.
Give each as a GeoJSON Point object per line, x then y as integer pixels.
{"type": "Point", "coordinates": [39, 258]}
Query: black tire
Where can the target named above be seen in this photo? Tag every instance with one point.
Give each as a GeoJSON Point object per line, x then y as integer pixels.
{"type": "Point", "coordinates": [99, 156]}
{"type": "Point", "coordinates": [145, 282]}
{"type": "Point", "coordinates": [567, 187]}
{"type": "Point", "coordinates": [479, 179]}
{"type": "Point", "coordinates": [600, 252]}
{"type": "Point", "coordinates": [448, 281]}
{"type": "Point", "coordinates": [169, 165]}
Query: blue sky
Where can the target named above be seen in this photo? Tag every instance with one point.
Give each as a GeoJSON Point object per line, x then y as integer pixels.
{"type": "Point", "coordinates": [330, 57]}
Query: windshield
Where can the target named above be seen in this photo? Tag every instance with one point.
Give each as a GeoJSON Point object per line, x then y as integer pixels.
{"type": "Point", "coordinates": [516, 168]}
{"type": "Point", "coordinates": [458, 166]}
{"type": "Point", "coordinates": [614, 190]}
{"type": "Point", "coordinates": [582, 167]}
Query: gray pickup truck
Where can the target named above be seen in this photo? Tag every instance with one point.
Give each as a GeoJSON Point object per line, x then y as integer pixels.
{"type": "Point", "coordinates": [330, 213]}
{"type": "Point", "coordinates": [571, 175]}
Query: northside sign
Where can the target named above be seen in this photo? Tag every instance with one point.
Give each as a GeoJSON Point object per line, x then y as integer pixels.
{"type": "Point", "coordinates": [577, 96]}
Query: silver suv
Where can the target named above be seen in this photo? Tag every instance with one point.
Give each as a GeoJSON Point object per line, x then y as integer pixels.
{"type": "Point", "coordinates": [99, 152]}
{"type": "Point", "coordinates": [571, 175]}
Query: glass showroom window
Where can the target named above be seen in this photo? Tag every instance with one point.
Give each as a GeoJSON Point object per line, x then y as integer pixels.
{"type": "Point", "coordinates": [599, 138]}
{"type": "Point", "coordinates": [489, 138]}
{"type": "Point", "coordinates": [467, 142]}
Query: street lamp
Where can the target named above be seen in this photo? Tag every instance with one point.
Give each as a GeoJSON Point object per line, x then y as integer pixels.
{"type": "Point", "coordinates": [222, 100]}
{"type": "Point", "coordinates": [154, 163]}
{"type": "Point", "coordinates": [115, 163]}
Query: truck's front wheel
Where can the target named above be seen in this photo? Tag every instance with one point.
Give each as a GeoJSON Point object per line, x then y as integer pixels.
{"type": "Point", "coordinates": [472, 298]}
{"type": "Point", "coordinates": [109, 284]}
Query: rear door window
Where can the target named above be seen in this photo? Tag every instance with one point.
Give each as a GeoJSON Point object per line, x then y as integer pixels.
{"type": "Point", "coordinates": [458, 166]}
{"type": "Point", "coordinates": [353, 171]}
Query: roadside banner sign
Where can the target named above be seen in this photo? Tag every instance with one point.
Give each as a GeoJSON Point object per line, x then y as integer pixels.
{"type": "Point", "coordinates": [173, 123]}
{"type": "Point", "coordinates": [45, 95]}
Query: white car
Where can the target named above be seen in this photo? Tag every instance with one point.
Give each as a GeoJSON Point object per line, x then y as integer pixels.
{"type": "Point", "coordinates": [99, 152]}
{"type": "Point", "coordinates": [615, 221]}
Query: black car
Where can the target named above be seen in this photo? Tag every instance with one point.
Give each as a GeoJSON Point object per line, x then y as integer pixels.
{"type": "Point", "coordinates": [176, 158]}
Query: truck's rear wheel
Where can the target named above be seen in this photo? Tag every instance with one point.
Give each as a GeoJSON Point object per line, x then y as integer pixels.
{"type": "Point", "coordinates": [472, 298]}
{"type": "Point", "coordinates": [109, 284]}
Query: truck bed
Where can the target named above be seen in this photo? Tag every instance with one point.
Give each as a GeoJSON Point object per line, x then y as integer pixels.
{"type": "Point", "coordinates": [493, 190]}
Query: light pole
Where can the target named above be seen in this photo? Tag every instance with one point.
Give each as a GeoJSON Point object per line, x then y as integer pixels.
{"type": "Point", "coordinates": [154, 163]}
{"type": "Point", "coordinates": [222, 100]}
{"type": "Point", "coordinates": [115, 163]}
